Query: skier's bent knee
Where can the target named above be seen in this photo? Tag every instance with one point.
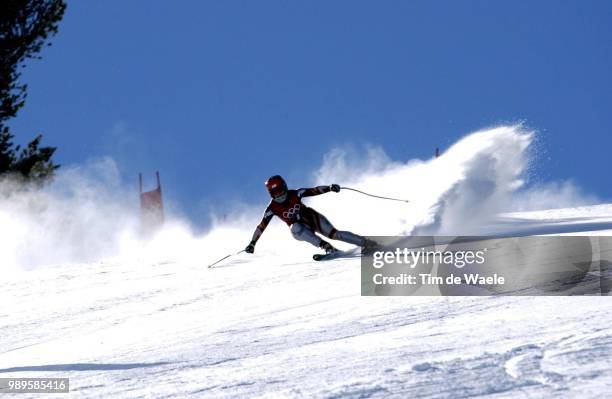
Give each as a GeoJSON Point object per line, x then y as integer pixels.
{"type": "Point", "coordinates": [297, 230]}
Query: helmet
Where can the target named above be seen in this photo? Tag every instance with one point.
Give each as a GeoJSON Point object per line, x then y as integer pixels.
{"type": "Point", "coordinates": [276, 186]}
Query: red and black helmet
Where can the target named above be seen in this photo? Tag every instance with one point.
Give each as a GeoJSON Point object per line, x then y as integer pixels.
{"type": "Point", "coordinates": [276, 186]}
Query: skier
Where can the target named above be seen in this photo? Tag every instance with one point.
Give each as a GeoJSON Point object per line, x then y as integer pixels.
{"type": "Point", "coordinates": [303, 221]}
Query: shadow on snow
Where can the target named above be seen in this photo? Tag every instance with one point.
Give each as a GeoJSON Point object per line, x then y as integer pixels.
{"type": "Point", "coordinates": [83, 367]}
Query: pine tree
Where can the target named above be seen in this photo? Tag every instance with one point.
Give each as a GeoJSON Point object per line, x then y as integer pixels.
{"type": "Point", "coordinates": [25, 27]}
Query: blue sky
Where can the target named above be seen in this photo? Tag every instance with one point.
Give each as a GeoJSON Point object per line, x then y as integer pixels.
{"type": "Point", "coordinates": [218, 95]}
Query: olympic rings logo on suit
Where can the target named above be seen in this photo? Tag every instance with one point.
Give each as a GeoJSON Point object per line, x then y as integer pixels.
{"type": "Point", "coordinates": [291, 212]}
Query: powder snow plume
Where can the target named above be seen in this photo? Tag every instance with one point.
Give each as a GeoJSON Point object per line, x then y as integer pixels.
{"type": "Point", "coordinates": [459, 193]}
{"type": "Point", "coordinates": [87, 215]}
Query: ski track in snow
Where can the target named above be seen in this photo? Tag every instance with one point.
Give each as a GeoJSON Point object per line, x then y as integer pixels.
{"type": "Point", "coordinates": [264, 327]}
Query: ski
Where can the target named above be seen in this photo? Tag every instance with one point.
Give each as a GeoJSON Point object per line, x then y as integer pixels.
{"type": "Point", "coordinates": [337, 254]}
{"type": "Point", "coordinates": [319, 257]}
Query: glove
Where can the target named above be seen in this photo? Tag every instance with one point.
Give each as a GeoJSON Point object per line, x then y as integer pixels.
{"type": "Point", "coordinates": [250, 248]}
{"type": "Point", "coordinates": [335, 188]}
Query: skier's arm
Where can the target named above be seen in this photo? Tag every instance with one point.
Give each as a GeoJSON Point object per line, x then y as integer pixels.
{"type": "Point", "coordinates": [309, 192]}
{"type": "Point", "coordinates": [265, 220]}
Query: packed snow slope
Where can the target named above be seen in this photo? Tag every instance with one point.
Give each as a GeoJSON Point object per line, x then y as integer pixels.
{"type": "Point", "coordinates": [123, 317]}
{"type": "Point", "coordinates": [277, 326]}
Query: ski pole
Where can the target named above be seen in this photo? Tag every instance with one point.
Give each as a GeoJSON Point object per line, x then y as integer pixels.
{"type": "Point", "coordinates": [224, 258]}
{"type": "Point", "coordinates": [375, 196]}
